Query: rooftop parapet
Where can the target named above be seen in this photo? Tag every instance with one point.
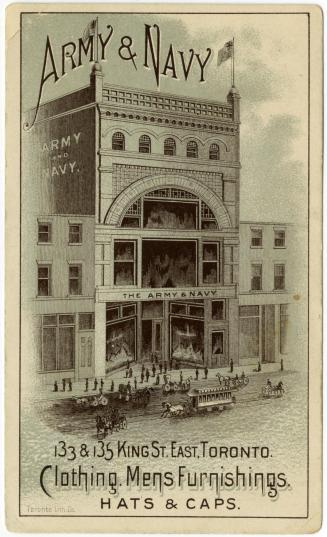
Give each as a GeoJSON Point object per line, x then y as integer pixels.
{"type": "Point", "coordinates": [167, 103]}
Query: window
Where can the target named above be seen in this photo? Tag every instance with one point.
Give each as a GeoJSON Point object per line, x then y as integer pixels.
{"type": "Point", "coordinates": [58, 342]}
{"type": "Point", "coordinates": [283, 319]}
{"type": "Point", "coordinates": [75, 233]}
{"type": "Point", "coordinates": [125, 263]}
{"type": "Point", "coordinates": [44, 232]}
{"type": "Point", "coordinates": [75, 279]}
{"type": "Point", "coordinates": [210, 262]}
{"type": "Point", "coordinates": [256, 238]}
{"type": "Point", "coordinates": [192, 149]}
{"type": "Point", "coordinates": [279, 277]}
{"type": "Point", "coordinates": [214, 153]}
{"type": "Point", "coordinates": [144, 144]}
{"type": "Point", "coordinates": [256, 277]}
{"type": "Point", "coordinates": [218, 310]}
{"type": "Point", "coordinates": [279, 241]}
{"type": "Point", "coordinates": [44, 280]}
{"type": "Point", "coordinates": [86, 321]}
{"type": "Point", "coordinates": [118, 141]}
{"type": "Point", "coordinates": [169, 147]}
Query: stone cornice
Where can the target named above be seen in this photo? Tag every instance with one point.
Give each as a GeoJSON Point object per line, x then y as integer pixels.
{"type": "Point", "coordinates": [163, 160]}
{"type": "Point", "coordinates": [162, 119]}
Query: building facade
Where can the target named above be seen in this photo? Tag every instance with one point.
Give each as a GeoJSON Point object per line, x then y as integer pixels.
{"type": "Point", "coordinates": [136, 234]}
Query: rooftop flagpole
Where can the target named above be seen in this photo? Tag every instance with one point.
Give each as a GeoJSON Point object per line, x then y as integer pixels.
{"type": "Point", "coordinates": [97, 39]}
{"type": "Point", "coordinates": [233, 64]}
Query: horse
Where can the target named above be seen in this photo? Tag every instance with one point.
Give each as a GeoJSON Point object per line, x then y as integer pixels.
{"type": "Point", "coordinates": [171, 410]}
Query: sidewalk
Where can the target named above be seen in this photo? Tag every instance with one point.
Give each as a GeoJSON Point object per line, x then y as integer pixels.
{"type": "Point", "coordinates": [119, 377]}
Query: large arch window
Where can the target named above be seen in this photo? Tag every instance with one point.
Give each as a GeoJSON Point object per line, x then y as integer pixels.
{"type": "Point", "coordinates": [118, 141]}
{"type": "Point", "coordinates": [169, 147]}
{"type": "Point", "coordinates": [192, 149]}
{"type": "Point", "coordinates": [169, 208]}
{"type": "Point", "coordinates": [144, 144]}
{"type": "Point", "coordinates": [214, 152]}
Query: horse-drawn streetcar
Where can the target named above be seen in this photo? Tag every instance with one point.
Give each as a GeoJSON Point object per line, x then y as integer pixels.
{"type": "Point", "coordinates": [201, 400]}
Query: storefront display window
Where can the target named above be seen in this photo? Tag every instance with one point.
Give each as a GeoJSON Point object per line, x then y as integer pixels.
{"type": "Point", "coordinates": [120, 342]}
{"type": "Point", "coordinates": [186, 340]}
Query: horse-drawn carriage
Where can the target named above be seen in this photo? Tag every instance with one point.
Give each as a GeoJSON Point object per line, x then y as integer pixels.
{"type": "Point", "coordinates": [272, 391]}
{"type": "Point", "coordinates": [141, 397]}
{"type": "Point", "coordinates": [233, 382]}
{"type": "Point", "coordinates": [201, 401]}
{"type": "Point", "coordinates": [91, 401]}
{"type": "Point", "coordinates": [173, 386]}
{"type": "Point", "coordinates": [112, 421]}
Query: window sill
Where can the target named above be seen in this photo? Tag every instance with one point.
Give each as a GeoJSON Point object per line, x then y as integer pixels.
{"type": "Point", "coordinates": [256, 247]}
{"type": "Point", "coordinates": [279, 247]}
{"type": "Point", "coordinates": [75, 244]}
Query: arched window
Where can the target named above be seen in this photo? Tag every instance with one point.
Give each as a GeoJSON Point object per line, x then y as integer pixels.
{"type": "Point", "coordinates": [192, 149]}
{"type": "Point", "coordinates": [118, 141]}
{"type": "Point", "coordinates": [214, 153]}
{"type": "Point", "coordinates": [169, 146]}
{"type": "Point", "coordinates": [144, 144]}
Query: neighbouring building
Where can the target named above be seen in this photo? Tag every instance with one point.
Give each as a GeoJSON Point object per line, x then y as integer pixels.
{"type": "Point", "coordinates": [134, 240]}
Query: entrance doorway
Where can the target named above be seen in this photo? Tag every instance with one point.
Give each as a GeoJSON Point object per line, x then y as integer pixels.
{"type": "Point", "coordinates": [152, 339]}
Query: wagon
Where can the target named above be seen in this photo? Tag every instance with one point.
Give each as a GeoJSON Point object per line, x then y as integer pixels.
{"type": "Point", "coordinates": [269, 391]}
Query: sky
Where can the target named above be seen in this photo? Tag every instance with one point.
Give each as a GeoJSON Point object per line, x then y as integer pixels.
{"type": "Point", "coordinates": [271, 74]}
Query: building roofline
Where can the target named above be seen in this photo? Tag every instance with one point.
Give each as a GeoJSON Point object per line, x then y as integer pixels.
{"type": "Point", "coordinates": [167, 94]}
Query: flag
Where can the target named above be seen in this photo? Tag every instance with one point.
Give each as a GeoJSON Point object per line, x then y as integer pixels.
{"type": "Point", "coordinates": [225, 52]}
{"type": "Point", "coordinates": [89, 30]}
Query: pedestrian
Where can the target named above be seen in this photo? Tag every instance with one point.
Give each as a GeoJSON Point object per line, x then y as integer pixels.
{"type": "Point", "coordinates": [126, 372]}
{"type": "Point", "coordinates": [70, 385]}
{"type": "Point", "coordinates": [231, 365]}
{"type": "Point", "coordinates": [165, 379]}
{"type": "Point", "coordinates": [243, 375]}
{"type": "Point", "coordinates": [142, 376]}
{"type": "Point", "coordinates": [95, 386]}
{"type": "Point", "coordinates": [63, 385]}
{"type": "Point", "coordinates": [147, 374]}
{"type": "Point", "coordinates": [181, 377]}
{"type": "Point", "coordinates": [196, 373]}
{"type": "Point", "coordinates": [127, 365]}
{"type": "Point", "coordinates": [135, 383]}
{"type": "Point", "coordinates": [206, 371]}
{"type": "Point", "coordinates": [101, 384]}
{"type": "Point", "coordinates": [160, 367]}
{"type": "Point", "coordinates": [55, 386]}
{"type": "Point", "coordinates": [143, 368]}
{"type": "Point", "coordinates": [282, 364]}
{"type": "Point", "coordinates": [165, 367]}
{"type": "Point", "coordinates": [153, 370]}
{"type": "Point", "coordinates": [259, 367]}
{"type": "Point", "coordinates": [100, 390]}
{"type": "Point", "coordinates": [86, 385]}
{"type": "Point", "coordinates": [130, 374]}
{"type": "Point", "coordinates": [157, 379]}
{"type": "Point", "coordinates": [269, 383]}
{"type": "Point", "coordinates": [155, 359]}
{"type": "Point", "coordinates": [129, 388]}
{"type": "Point", "coordinates": [112, 386]}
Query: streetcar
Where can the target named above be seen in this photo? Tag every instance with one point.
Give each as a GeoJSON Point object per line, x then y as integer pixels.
{"type": "Point", "coordinates": [218, 398]}
{"type": "Point", "coordinates": [201, 401]}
